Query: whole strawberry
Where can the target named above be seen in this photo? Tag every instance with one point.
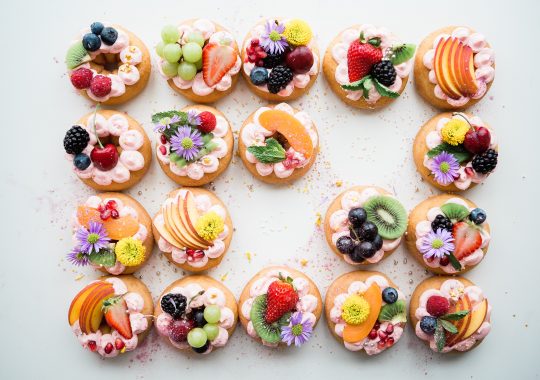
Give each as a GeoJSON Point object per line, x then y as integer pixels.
{"type": "Point", "coordinates": [360, 58]}
{"type": "Point", "coordinates": [281, 298]}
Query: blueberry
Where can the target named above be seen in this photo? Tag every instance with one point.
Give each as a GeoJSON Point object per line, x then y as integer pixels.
{"type": "Point", "coordinates": [428, 324]}
{"type": "Point", "coordinates": [82, 161]}
{"type": "Point", "coordinates": [345, 244]}
{"type": "Point", "coordinates": [201, 350]}
{"type": "Point", "coordinates": [258, 76]}
{"type": "Point", "coordinates": [109, 35]}
{"type": "Point", "coordinates": [198, 317]}
{"type": "Point", "coordinates": [377, 242]}
{"type": "Point", "coordinates": [366, 249]}
{"type": "Point", "coordinates": [389, 295]}
{"type": "Point", "coordinates": [96, 27]}
{"type": "Point", "coordinates": [357, 216]}
{"type": "Point", "coordinates": [368, 231]}
{"type": "Point", "coordinates": [91, 42]}
{"type": "Point", "coordinates": [478, 216]}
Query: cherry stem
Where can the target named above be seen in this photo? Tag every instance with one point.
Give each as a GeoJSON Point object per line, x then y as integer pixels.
{"type": "Point", "coordinates": [94, 126]}
{"type": "Point", "coordinates": [464, 118]}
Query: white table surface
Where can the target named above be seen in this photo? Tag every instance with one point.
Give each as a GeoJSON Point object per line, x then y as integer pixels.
{"type": "Point", "coordinates": [276, 225]}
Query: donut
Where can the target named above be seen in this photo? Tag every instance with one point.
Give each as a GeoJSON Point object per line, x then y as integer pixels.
{"type": "Point", "coordinates": [356, 229]}
{"type": "Point", "coordinates": [204, 61]}
{"type": "Point", "coordinates": [365, 311]}
{"type": "Point", "coordinates": [448, 234]}
{"type": "Point", "coordinates": [455, 151]}
{"type": "Point", "coordinates": [196, 312]}
{"type": "Point", "coordinates": [193, 229]}
{"type": "Point", "coordinates": [276, 300]}
{"type": "Point", "coordinates": [108, 64]}
{"type": "Point", "coordinates": [116, 159]}
{"type": "Point", "coordinates": [123, 226]}
{"type": "Point", "coordinates": [454, 68]}
{"type": "Point", "coordinates": [208, 130]}
{"type": "Point", "coordinates": [280, 59]}
{"type": "Point", "coordinates": [278, 144]}
{"type": "Point", "coordinates": [439, 302]}
{"type": "Point", "coordinates": [112, 315]}
{"type": "Point", "coordinates": [368, 67]}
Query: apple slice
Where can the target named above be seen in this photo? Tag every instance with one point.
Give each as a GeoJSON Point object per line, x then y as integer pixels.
{"type": "Point", "coordinates": [469, 87]}
{"type": "Point", "coordinates": [91, 314]}
{"type": "Point", "coordinates": [164, 232]}
{"type": "Point", "coordinates": [478, 316]}
{"type": "Point", "coordinates": [441, 64]}
{"type": "Point", "coordinates": [189, 215]}
{"type": "Point", "coordinates": [172, 222]}
{"type": "Point", "coordinates": [449, 62]}
{"type": "Point", "coordinates": [181, 232]}
{"type": "Point", "coordinates": [78, 300]}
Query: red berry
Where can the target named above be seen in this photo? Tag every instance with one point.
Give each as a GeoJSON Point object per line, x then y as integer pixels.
{"type": "Point", "coordinates": [437, 306]}
{"type": "Point", "coordinates": [111, 205]}
{"type": "Point", "coordinates": [469, 171]}
{"type": "Point", "coordinates": [119, 344]}
{"type": "Point", "coordinates": [115, 214]}
{"type": "Point", "coordinates": [381, 344]}
{"type": "Point", "coordinates": [105, 158]}
{"type": "Point", "coordinates": [81, 78]}
{"type": "Point", "coordinates": [389, 342]}
{"type": "Point", "coordinates": [372, 334]}
{"type": "Point", "coordinates": [104, 215]}
{"type": "Point", "coordinates": [92, 345]}
{"type": "Point", "coordinates": [108, 348]}
{"type": "Point", "coordinates": [163, 149]}
{"type": "Point", "coordinates": [101, 207]}
{"type": "Point", "coordinates": [360, 58]}
{"type": "Point", "coordinates": [389, 329]}
{"type": "Point", "coordinates": [382, 335]}
{"type": "Point", "coordinates": [101, 86]}
{"type": "Point", "coordinates": [208, 122]}
{"type": "Point", "coordinates": [444, 261]}
{"type": "Point", "coordinates": [178, 330]}
{"type": "Point", "coordinates": [163, 139]}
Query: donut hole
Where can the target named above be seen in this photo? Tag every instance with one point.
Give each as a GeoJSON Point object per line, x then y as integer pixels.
{"type": "Point", "coordinates": [282, 140]}
{"type": "Point", "coordinates": [106, 63]}
{"type": "Point", "coordinates": [110, 140]}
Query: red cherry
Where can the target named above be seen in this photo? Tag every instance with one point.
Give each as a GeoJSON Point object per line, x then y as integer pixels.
{"type": "Point", "coordinates": [108, 348]}
{"type": "Point", "coordinates": [300, 60]}
{"type": "Point", "coordinates": [92, 345]}
{"type": "Point", "coordinates": [163, 149]}
{"type": "Point", "coordinates": [104, 158]}
{"type": "Point", "coordinates": [115, 214]}
{"type": "Point", "coordinates": [390, 329]}
{"type": "Point", "coordinates": [119, 344]}
{"type": "Point", "coordinates": [372, 334]}
{"type": "Point", "coordinates": [477, 140]}
{"type": "Point", "coordinates": [111, 205]}
{"type": "Point", "coordinates": [106, 214]}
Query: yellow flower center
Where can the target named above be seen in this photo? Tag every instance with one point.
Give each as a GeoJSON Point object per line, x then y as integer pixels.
{"type": "Point", "coordinates": [298, 32]}
{"type": "Point", "coordinates": [454, 131]}
{"type": "Point", "coordinates": [209, 226]}
{"type": "Point", "coordinates": [130, 252]}
{"type": "Point", "coordinates": [355, 310]}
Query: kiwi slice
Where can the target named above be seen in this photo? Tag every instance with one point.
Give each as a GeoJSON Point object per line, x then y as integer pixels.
{"type": "Point", "coordinates": [388, 215]}
{"type": "Point", "coordinates": [454, 212]}
{"type": "Point", "coordinates": [402, 53]}
{"type": "Point", "coordinates": [269, 332]}
{"type": "Point", "coordinates": [76, 55]}
{"type": "Point", "coordinates": [394, 312]}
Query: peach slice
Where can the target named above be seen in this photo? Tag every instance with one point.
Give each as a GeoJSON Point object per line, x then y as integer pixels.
{"type": "Point", "coordinates": [356, 333]}
{"type": "Point", "coordinates": [289, 126]}
{"type": "Point", "coordinates": [117, 229]}
{"type": "Point", "coordinates": [442, 66]}
{"type": "Point", "coordinates": [91, 314]}
{"type": "Point", "coordinates": [78, 300]}
{"type": "Point", "coordinates": [464, 303]}
{"type": "Point", "coordinates": [468, 85]}
{"type": "Point", "coordinates": [478, 315]}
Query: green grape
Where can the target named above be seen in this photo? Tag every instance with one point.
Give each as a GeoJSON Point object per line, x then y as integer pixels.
{"type": "Point", "coordinates": [187, 71]}
{"type": "Point", "coordinates": [211, 330]}
{"type": "Point", "coordinates": [170, 34]}
{"type": "Point", "coordinates": [192, 52]}
{"type": "Point", "coordinates": [198, 64]}
{"type": "Point", "coordinates": [159, 48]}
{"type": "Point", "coordinates": [197, 337]}
{"type": "Point", "coordinates": [197, 38]}
{"type": "Point", "coordinates": [172, 52]}
{"type": "Point", "coordinates": [212, 314]}
{"type": "Point", "coordinates": [170, 69]}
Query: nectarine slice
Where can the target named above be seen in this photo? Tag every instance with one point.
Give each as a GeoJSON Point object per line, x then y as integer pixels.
{"type": "Point", "coordinates": [117, 229]}
{"type": "Point", "coordinates": [356, 333]}
{"type": "Point", "coordinates": [76, 304]}
{"type": "Point", "coordinates": [478, 315]}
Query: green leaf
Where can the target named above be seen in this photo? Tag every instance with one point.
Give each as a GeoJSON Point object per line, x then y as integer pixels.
{"type": "Point", "coordinates": [103, 257]}
{"type": "Point", "coordinates": [448, 326]}
{"type": "Point", "coordinates": [375, 41]}
{"type": "Point", "coordinates": [455, 316]}
{"type": "Point", "coordinates": [440, 337]}
{"type": "Point", "coordinates": [402, 53]}
{"type": "Point", "coordinates": [454, 261]}
{"type": "Point", "coordinates": [270, 153]}
{"type": "Point", "coordinates": [384, 91]}
{"type": "Point", "coordinates": [458, 151]}
{"type": "Point", "coordinates": [160, 115]}
{"type": "Point", "coordinates": [358, 85]}
{"type": "Point", "coordinates": [368, 84]}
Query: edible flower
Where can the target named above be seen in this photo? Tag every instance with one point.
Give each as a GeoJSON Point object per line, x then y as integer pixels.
{"type": "Point", "coordinates": [186, 143]}
{"type": "Point", "coordinates": [209, 226]}
{"type": "Point", "coordinates": [130, 252]}
{"type": "Point", "coordinates": [78, 258]}
{"type": "Point", "coordinates": [454, 131]}
{"type": "Point", "coordinates": [273, 41]}
{"type": "Point", "coordinates": [193, 118]}
{"type": "Point", "coordinates": [445, 168]}
{"type": "Point", "coordinates": [297, 32]}
{"type": "Point", "coordinates": [165, 123]}
{"type": "Point", "coordinates": [437, 244]}
{"type": "Point", "coordinates": [355, 310]}
{"type": "Point", "coordinates": [298, 331]}
{"type": "Point", "coordinates": [92, 239]}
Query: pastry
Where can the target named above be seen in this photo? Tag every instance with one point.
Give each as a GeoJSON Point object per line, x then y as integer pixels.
{"type": "Point", "coordinates": [281, 59]}
{"type": "Point", "coordinates": [196, 312]}
{"type": "Point", "coordinates": [450, 314]}
{"type": "Point", "coordinates": [112, 315]}
{"type": "Point", "coordinates": [365, 311]}
{"type": "Point", "coordinates": [200, 60]}
{"type": "Point", "coordinates": [108, 64]}
{"type": "Point", "coordinates": [448, 234]}
{"type": "Point", "coordinates": [364, 225]}
{"type": "Point", "coordinates": [454, 68]}
{"type": "Point", "coordinates": [109, 150]}
{"type": "Point", "coordinates": [278, 144]}
{"type": "Point", "coordinates": [112, 232]}
{"type": "Point", "coordinates": [193, 229]}
{"type": "Point", "coordinates": [455, 151]}
{"type": "Point", "coordinates": [367, 66]}
{"type": "Point", "coordinates": [194, 145]}
{"type": "Point", "coordinates": [280, 306]}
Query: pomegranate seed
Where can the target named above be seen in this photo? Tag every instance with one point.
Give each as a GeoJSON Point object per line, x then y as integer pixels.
{"type": "Point", "coordinates": [469, 171]}
{"type": "Point", "coordinates": [111, 205]}
{"type": "Point", "coordinates": [372, 334]}
{"type": "Point", "coordinates": [389, 329]}
{"type": "Point", "coordinates": [108, 348]}
{"type": "Point", "coordinates": [260, 63]}
{"type": "Point", "coordinates": [430, 259]}
{"type": "Point", "coordinates": [105, 215]}
{"type": "Point", "coordinates": [119, 344]}
{"type": "Point", "coordinates": [163, 139]}
{"type": "Point", "coordinates": [444, 261]}
{"type": "Point", "coordinates": [101, 207]}
{"type": "Point", "coordinates": [163, 149]}
{"type": "Point", "coordinates": [190, 252]}
{"type": "Point", "coordinates": [381, 344]}
{"type": "Point", "coordinates": [92, 345]}
{"type": "Point", "coordinates": [115, 214]}
{"type": "Point", "coordinates": [382, 335]}
{"type": "Point", "coordinates": [377, 325]}
{"type": "Point", "coordinates": [390, 342]}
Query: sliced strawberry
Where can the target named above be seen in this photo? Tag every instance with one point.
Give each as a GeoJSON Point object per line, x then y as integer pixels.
{"type": "Point", "coordinates": [467, 239]}
{"type": "Point", "coordinates": [116, 315]}
{"type": "Point", "coordinates": [217, 61]}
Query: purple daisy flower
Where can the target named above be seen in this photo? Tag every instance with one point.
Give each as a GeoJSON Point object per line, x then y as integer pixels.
{"type": "Point", "coordinates": [92, 239]}
{"type": "Point", "coordinates": [437, 244]}
{"type": "Point", "coordinates": [193, 118]}
{"type": "Point", "coordinates": [445, 168]}
{"type": "Point", "coordinates": [186, 143]}
{"type": "Point", "coordinates": [273, 40]}
{"type": "Point", "coordinates": [297, 331]}
{"type": "Point", "coordinates": [165, 123]}
{"type": "Point", "coordinates": [78, 258]}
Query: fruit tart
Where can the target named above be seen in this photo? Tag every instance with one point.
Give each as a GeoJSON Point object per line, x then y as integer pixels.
{"type": "Point", "coordinates": [193, 229]}
{"type": "Point", "coordinates": [112, 232]}
{"type": "Point", "coordinates": [367, 66]}
{"type": "Point", "coordinates": [364, 225]}
{"type": "Point", "coordinates": [454, 68]}
{"type": "Point", "coordinates": [281, 59]}
{"type": "Point", "coordinates": [448, 234]}
{"type": "Point", "coordinates": [108, 64]}
{"type": "Point", "coordinates": [200, 59]}
{"type": "Point", "coordinates": [196, 312]}
{"type": "Point", "coordinates": [366, 311]}
{"type": "Point", "coordinates": [278, 144]}
{"type": "Point", "coordinates": [280, 306]}
{"type": "Point", "coordinates": [455, 151]}
{"type": "Point", "coordinates": [194, 145]}
{"type": "Point", "coordinates": [112, 315]}
{"type": "Point", "coordinates": [109, 150]}
{"type": "Point", "coordinates": [450, 314]}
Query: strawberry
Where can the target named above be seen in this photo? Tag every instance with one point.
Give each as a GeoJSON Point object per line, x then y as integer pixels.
{"type": "Point", "coordinates": [217, 61]}
{"type": "Point", "coordinates": [360, 58]}
{"type": "Point", "coordinates": [281, 298]}
{"type": "Point", "coordinates": [116, 315]}
{"type": "Point", "coordinates": [467, 239]}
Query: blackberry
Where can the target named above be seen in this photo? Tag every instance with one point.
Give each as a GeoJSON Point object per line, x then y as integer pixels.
{"type": "Point", "coordinates": [174, 304]}
{"type": "Point", "coordinates": [272, 60]}
{"type": "Point", "coordinates": [441, 222]}
{"type": "Point", "coordinates": [486, 162]}
{"type": "Point", "coordinates": [279, 78]}
{"type": "Point", "coordinates": [384, 72]}
{"type": "Point", "coordinates": [76, 140]}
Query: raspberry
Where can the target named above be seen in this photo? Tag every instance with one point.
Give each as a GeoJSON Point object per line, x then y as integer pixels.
{"type": "Point", "coordinates": [437, 306]}
{"type": "Point", "coordinates": [101, 86]}
{"type": "Point", "coordinates": [208, 122]}
{"type": "Point", "coordinates": [81, 78]}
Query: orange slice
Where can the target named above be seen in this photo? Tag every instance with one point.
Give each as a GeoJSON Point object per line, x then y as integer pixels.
{"type": "Point", "coordinates": [117, 229]}
{"type": "Point", "coordinates": [356, 333]}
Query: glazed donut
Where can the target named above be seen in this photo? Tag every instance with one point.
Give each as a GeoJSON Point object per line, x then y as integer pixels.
{"type": "Point", "coordinates": [122, 161]}
{"type": "Point", "coordinates": [108, 64]}
{"type": "Point", "coordinates": [196, 309]}
{"type": "Point", "coordinates": [112, 315]}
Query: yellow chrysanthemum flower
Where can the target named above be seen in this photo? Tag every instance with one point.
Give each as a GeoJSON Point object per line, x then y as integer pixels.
{"type": "Point", "coordinates": [297, 32]}
{"type": "Point", "coordinates": [454, 131]}
{"type": "Point", "coordinates": [209, 226]}
{"type": "Point", "coordinates": [355, 310]}
{"type": "Point", "coordinates": [130, 252]}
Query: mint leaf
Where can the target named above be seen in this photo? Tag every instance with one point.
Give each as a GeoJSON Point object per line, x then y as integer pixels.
{"type": "Point", "coordinates": [270, 153]}
{"type": "Point", "coordinates": [384, 91]}
{"type": "Point", "coordinates": [160, 115]}
{"type": "Point", "coordinates": [455, 316]}
{"type": "Point", "coordinates": [448, 326]}
{"type": "Point", "coordinates": [440, 337]}
{"type": "Point", "coordinates": [454, 261]}
{"type": "Point", "coordinates": [402, 53]}
{"type": "Point", "coordinates": [103, 257]}
{"type": "Point", "coordinates": [458, 151]}
{"type": "Point", "coordinates": [368, 85]}
{"type": "Point", "coordinates": [375, 41]}
{"type": "Point", "coordinates": [358, 85]}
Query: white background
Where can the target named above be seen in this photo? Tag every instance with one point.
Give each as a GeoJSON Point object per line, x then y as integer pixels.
{"type": "Point", "coordinates": [276, 225]}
